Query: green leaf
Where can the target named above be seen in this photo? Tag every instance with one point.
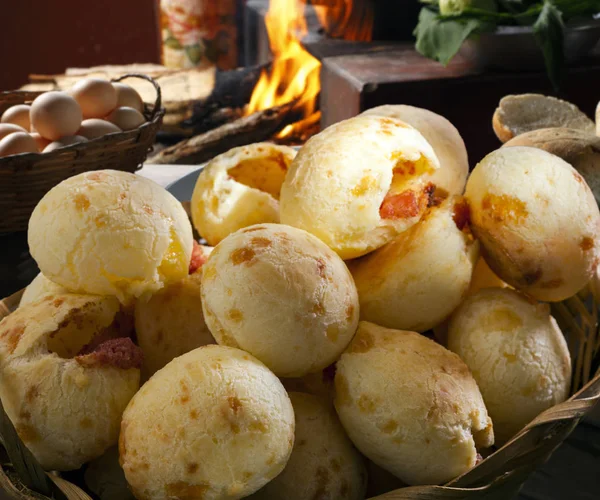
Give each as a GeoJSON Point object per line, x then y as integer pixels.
{"type": "Point", "coordinates": [440, 39]}
{"type": "Point", "coordinates": [575, 8]}
{"type": "Point", "coordinates": [548, 32]}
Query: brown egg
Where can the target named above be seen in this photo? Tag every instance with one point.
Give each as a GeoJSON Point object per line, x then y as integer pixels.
{"type": "Point", "coordinates": [55, 115]}
{"type": "Point", "coordinates": [19, 142]}
{"type": "Point", "coordinates": [95, 96]}
{"type": "Point", "coordinates": [41, 141]}
{"type": "Point", "coordinates": [126, 118]}
{"type": "Point", "coordinates": [18, 115]}
{"type": "Point", "coordinates": [93, 128]}
{"type": "Point", "coordinates": [63, 142]}
{"type": "Point", "coordinates": [9, 128]}
{"type": "Point", "coordinates": [127, 96]}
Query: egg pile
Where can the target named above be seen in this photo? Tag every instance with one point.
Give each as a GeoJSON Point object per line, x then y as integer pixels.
{"type": "Point", "coordinates": [92, 108]}
{"type": "Point", "coordinates": [368, 309]}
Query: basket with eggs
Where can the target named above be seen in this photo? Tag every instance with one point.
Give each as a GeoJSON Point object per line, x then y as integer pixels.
{"type": "Point", "coordinates": [50, 136]}
{"type": "Point", "coordinates": [366, 320]}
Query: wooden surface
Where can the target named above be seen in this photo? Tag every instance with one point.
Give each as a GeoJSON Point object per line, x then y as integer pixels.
{"type": "Point", "coordinates": [357, 77]}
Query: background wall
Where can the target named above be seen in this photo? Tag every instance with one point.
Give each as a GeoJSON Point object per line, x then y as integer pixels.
{"type": "Point", "coordinates": [47, 36]}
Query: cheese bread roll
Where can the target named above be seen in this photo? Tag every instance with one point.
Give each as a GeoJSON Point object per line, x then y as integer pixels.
{"type": "Point", "coordinates": [516, 353]}
{"type": "Point", "coordinates": [240, 188]}
{"type": "Point", "coordinates": [110, 233]}
{"type": "Point", "coordinates": [170, 323]}
{"type": "Point", "coordinates": [410, 405]}
{"type": "Point", "coordinates": [359, 183]}
{"type": "Point", "coordinates": [213, 424]}
{"type": "Point", "coordinates": [324, 464]}
{"type": "Point", "coordinates": [422, 275]}
{"type": "Point", "coordinates": [66, 376]}
{"type": "Point", "coordinates": [39, 288]}
{"type": "Point", "coordinates": [443, 137]}
{"type": "Point", "coordinates": [282, 295]}
{"type": "Point", "coordinates": [537, 221]}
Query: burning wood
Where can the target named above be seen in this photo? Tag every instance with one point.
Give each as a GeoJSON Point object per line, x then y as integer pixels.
{"type": "Point", "coordinates": [282, 96]}
{"type": "Point", "coordinates": [259, 126]}
{"type": "Point", "coordinates": [294, 72]}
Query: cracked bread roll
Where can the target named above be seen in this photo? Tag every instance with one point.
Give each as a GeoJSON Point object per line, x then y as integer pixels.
{"type": "Point", "coordinates": [516, 353]}
{"type": "Point", "coordinates": [359, 183]}
{"type": "Point", "coordinates": [240, 188]}
{"type": "Point", "coordinates": [170, 323]}
{"type": "Point", "coordinates": [446, 141]}
{"type": "Point", "coordinates": [410, 405]}
{"type": "Point", "coordinates": [537, 221]}
{"type": "Point", "coordinates": [418, 279]}
{"type": "Point", "coordinates": [214, 424]}
{"type": "Point", "coordinates": [324, 464]}
{"type": "Point", "coordinates": [39, 288]}
{"type": "Point", "coordinates": [66, 375]}
{"type": "Point", "coordinates": [110, 233]}
{"type": "Point", "coordinates": [282, 295]}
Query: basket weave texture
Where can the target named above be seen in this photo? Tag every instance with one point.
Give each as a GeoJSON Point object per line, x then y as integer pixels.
{"type": "Point", "coordinates": [26, 178]}
{"type": "Point", "coordinates": [501, 474]}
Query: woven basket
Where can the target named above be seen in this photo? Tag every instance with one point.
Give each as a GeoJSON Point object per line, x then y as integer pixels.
{"type": "Point", "coordinates": [26, 178]}
{"type": "Point", "coordinates": [500, 475]}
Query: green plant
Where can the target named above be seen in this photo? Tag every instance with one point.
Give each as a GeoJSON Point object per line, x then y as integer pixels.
{"type": "Point", "coordinates": [445, 24]}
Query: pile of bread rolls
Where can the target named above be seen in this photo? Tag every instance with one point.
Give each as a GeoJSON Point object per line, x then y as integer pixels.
{"type": "Point", "coordinates": [326, 273]}
{"type": "Point", "coordinates": [92, 108]}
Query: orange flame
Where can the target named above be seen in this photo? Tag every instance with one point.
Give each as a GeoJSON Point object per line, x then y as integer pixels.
{"type": "Point", "coordinates": [347, 19]}
{"type": "Point", "coordinates": [294, 72]}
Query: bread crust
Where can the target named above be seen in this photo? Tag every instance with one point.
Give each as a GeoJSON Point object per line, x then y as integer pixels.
{"type": "Point", "coordinates": [517, 354]}
{"type": "Point", "coordinates": [410, 405]}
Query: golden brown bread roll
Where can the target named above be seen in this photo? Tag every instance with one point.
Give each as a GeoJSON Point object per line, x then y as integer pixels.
{"type": "Point", "coordinates": [516, 353]}
{"type": "Point", "coordinates": [110, 233]}
{"type": "Point", "coordinates": [537, 221]}
{"type": "Point", "coordinates": [443, 137]}
{"type": "Point", "coordinates": [324, 464]}
{"type": "Point", "coordinates": [416, 281]}
{"type": "Point", "coordinates": [410, 405]}
{"type": "Point", "coordinates": [359, 183]}
{"type": "Point", "coordinates": [66, 375]}
{"type": "Point", "coordinates": [214, 423]}
{"type": "Point", "coordinates": [240, 188]}
{"type": "Point", "coordinates": [282, 295]}
{"type": "Point", "coordinates": [170, 323]}
{"type": "Point", "coordinates": [518, 114]}
{"type": "Point", "coordinates": [578, 148]}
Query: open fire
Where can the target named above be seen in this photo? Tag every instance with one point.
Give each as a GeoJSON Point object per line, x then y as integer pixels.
{"type": "Point", "coordinates": [294, 73]}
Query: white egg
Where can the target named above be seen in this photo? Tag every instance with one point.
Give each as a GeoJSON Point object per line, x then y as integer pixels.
{"type": "Point", "coordinates": [19, 142]}
{"type": "Point", "coordinates": [63, 142]}
{"type": "Point", "coordinates": [55, 115]}
{"type": "Point", "coordinates": [126, 118]}
{"type": "Point", "coordinates": [127, 96]}
{"type": "Point", "coordinates": [95, 96]}
{"type": "Point", "coordinates": [94, 127]}
{"type": "Point", "coordinates": [9, 128]}
{"type": "Point", "coordinates": [18, 115]}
